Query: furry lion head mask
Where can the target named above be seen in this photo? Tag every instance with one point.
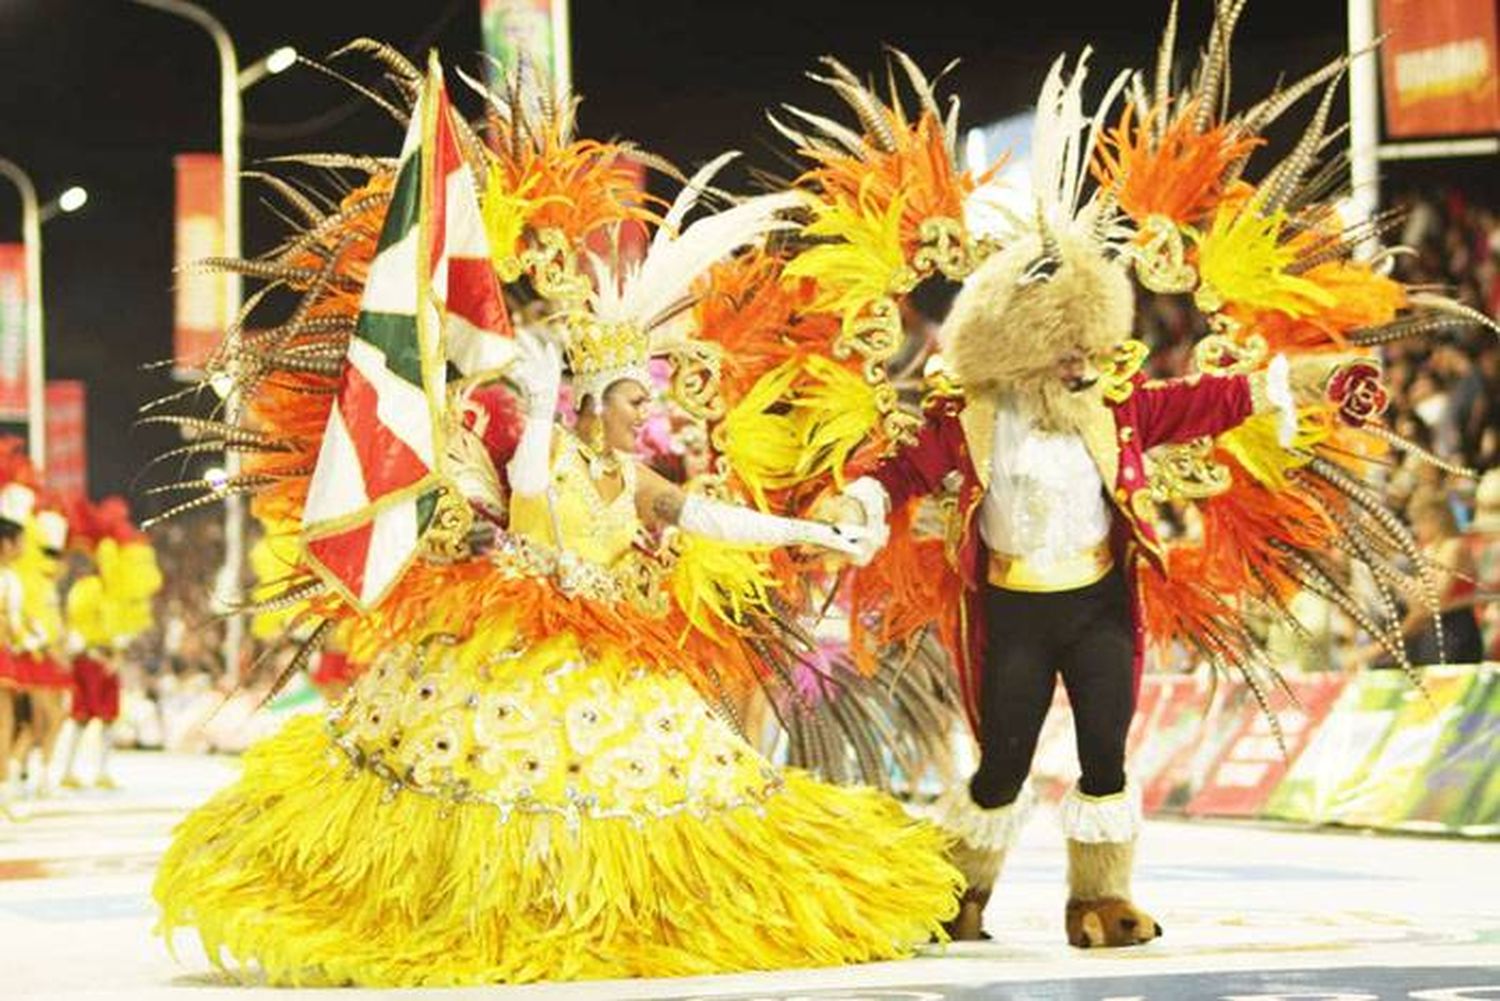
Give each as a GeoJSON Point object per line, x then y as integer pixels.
{"type": "Point", "coordinates": [1029, 305]}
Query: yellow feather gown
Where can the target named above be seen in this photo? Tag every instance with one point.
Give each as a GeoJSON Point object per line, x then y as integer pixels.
{"type": "Point", "coordinates": [518, 807]}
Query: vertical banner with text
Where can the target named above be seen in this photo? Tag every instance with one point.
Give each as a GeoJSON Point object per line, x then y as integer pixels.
{"type": "Point", "coordinates": [67, 438]}
{"type": "Point", "coordinates": [200, 313]}
{"type": "Point", "coordinates": [513, 28]}
{"type": "Point", "coordinates": [1438, 67]}
{"type": "Point", "coordinates": [12, 332]}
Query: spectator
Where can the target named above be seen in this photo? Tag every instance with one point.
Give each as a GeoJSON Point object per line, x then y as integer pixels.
{"type": "Point", "coordinates": [1483, 541]}
{"type": "Point", "coordinates": [1452, 568]}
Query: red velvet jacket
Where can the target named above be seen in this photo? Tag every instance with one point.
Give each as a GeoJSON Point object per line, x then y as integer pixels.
{"type": "Point", "coordinates": [958, 437]}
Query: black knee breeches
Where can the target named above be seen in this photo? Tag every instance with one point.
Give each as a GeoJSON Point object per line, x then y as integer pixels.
{"type": "Point", "coordinates": [1088, 637]}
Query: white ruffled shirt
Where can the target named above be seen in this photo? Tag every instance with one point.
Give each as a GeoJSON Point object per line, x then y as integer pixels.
{"type": "Point", "coordinates": [1046, 499]}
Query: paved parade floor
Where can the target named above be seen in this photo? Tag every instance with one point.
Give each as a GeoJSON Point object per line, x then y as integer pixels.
{"type": "Point", "coordinates": [1249, 912]}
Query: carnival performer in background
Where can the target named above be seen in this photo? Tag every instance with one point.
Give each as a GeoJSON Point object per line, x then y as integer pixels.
{"type": "Point", "coordinates": [45, 679]}
{"type": "Point", "coordinates": [1051, 451]}
{"type": "Point", "coordinates": [334, 671]}
{"type": "Point", "coordinates": [16, 501]}
{"type": "Point", "coordinates": [528, 782]}
{"type": "Point", "coordinates": [106, 611]}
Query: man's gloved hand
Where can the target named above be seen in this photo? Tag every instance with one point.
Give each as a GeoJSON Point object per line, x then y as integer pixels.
{"type": "Point", "coordinates": [862, 504]}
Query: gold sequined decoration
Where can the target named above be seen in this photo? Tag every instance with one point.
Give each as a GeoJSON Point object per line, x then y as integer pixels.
{"type": "Point", "coordinates": [1224, 354]}
{"type": "Point", "coordinates": [642, 578]}
{"type": "Point", "coordinates": [1161, 258]}
{"type": "Point", "coordinates": [595, 347]}
{"type": "Point", "coordinates": [1118, 378]}
{"type": "Point", "coordinates": [447, 536]}
{"type": "Point", "coordinates": [1185, 472]}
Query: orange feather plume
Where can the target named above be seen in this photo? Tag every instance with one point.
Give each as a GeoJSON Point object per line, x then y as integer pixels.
{"type": "Point", "coordinates": [576, 187]}
{"type": "Point", "coordinates": [920, 171]}
{"type": "Point", "coordinates": [1180, 176]}
{"type": "Point", "coordinates": [908, 587]}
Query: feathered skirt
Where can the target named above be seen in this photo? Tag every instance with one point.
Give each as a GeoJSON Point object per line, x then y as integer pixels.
{"type": "Point", "coordinates": [474, 814]}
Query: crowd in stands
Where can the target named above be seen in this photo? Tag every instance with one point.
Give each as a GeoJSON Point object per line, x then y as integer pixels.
{"type": "Point", "coordinates": [1445, 400]}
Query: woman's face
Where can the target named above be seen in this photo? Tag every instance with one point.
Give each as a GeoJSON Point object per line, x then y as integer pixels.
{"type": "Point", "coordinates": [626, 406]}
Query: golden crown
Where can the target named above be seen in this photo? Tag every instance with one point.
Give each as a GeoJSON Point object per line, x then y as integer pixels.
{"type": "Point", "coordinates": [600, 354]}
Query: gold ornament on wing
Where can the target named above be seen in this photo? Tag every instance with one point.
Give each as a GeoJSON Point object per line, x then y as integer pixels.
{"type": "Point", "coordinates": [876, 334]}
{"type": "Point", "coordinates": [446, 539]}
{"type": "Point", "coordinates": [1224, 354]}
{"type": "Point", "coordinates": [1120, 371]}
{"type": "Point", "coordinates": [1161, 258]}
{"type": "Point", "coordinates": [553, 270]}
{"type": "Point", "coordinates": [1186, 472]}
{"type": "Point", "coordinates": [944, 248]}
{"type": "Point", "coordinates": [695, 379]}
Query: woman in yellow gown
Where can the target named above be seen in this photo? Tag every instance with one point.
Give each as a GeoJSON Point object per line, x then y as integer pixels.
{"type": "Point", "coordinates": [527, 782]}
{"type": "Point", "coordinates": [549, 798]}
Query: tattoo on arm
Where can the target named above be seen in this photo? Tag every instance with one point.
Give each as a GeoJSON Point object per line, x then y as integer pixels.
{"type": "Point", "coordinates": [666, 506]}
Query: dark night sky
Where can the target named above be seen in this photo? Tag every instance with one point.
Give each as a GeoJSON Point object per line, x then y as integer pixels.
{"type": "Point", "coordinates": [103, 93]}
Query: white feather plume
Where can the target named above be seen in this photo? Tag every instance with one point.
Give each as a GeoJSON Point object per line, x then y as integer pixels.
{"type": "Point", "coordinates": [662, 284]}
{"type": "Point", "coordinates": [1063, 141]}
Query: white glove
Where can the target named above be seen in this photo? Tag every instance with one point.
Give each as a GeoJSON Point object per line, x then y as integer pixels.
{"type": "Point", "coordinates": [538, 368]}
{"type": "Point", "coordinates": [731, 523]}
{"type": "Point", "coordinates": [873, 500]}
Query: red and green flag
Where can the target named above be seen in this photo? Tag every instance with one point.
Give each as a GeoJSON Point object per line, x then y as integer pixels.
{"type": "Point", "coordinates": [432, 310]}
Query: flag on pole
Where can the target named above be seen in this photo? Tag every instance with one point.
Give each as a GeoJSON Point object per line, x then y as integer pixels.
{"type": "Point", "coordinates": [431, 305]}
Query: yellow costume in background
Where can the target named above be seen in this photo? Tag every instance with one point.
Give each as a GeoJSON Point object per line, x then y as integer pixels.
{"type": "Point", "coordinates": [540, 804]}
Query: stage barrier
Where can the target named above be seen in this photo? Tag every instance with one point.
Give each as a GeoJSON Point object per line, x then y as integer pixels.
{"type": "Point", "coordinates": [1361, 750]}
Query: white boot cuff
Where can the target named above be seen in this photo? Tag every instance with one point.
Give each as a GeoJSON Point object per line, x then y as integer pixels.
{"type": "Point", "coordinates": [1102, 819]}
{"type": "Point", "coordinates": [985, 830]}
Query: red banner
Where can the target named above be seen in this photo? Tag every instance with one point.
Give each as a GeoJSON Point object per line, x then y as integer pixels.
{"type": "Point", "coordinates": [12, 332]}
{"type": "Point", "coordinates": [67, 441]}
{"type": "Point", "coordinates": [1438, 67]}
{"type": "Point", "coordinates": [201, 316]}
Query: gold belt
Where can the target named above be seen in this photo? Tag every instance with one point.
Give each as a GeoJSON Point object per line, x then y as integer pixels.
{"type": "Point", "coordinates": [1080, 569]}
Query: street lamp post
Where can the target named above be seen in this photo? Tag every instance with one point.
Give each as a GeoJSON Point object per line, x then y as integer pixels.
{"type": "Point", "coordinates": [32, 217]}
{"type": "Point", "coordinates": [231, 83]}
{"type": "Point", "coordinates": [1364, 117]}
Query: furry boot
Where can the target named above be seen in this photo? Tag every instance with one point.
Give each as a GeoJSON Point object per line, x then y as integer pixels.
{"type": "Point", "coordinates": [1101, 835]}
{"type": "Point", "coordinates": [981, 839]}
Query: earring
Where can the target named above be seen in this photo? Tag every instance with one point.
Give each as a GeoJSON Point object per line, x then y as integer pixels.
{"type": "Point", "coordinates": [600, 459]}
